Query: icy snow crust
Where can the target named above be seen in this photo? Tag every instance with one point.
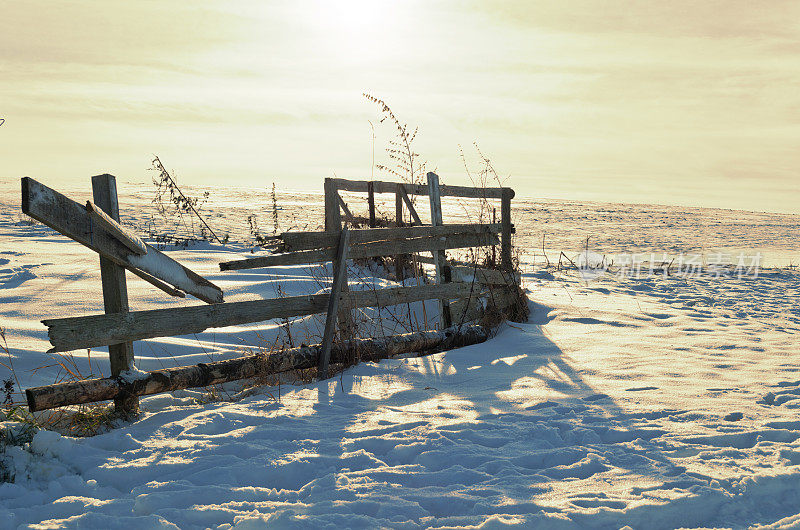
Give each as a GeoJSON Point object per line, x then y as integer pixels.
{"type": "Point", "coordinates": [657, 402]}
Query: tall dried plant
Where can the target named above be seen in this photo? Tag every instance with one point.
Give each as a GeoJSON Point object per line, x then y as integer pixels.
{"type": "Point", "coordinates": [405, 163]}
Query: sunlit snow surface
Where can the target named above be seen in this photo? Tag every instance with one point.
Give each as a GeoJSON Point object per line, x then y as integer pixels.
{"type": "Point", "coordinates": [653, 402]}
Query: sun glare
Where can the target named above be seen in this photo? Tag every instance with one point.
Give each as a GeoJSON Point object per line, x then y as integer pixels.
{"type": "Point", "coordinates": [356, 31]}
{"type": "Point", "coordinates": [353, 15]}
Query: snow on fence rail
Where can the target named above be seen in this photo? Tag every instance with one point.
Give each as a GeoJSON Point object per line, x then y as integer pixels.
{"type": "Point", "coordinates": [472, 290]}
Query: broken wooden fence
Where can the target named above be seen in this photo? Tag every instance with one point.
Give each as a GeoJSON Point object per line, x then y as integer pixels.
{"type": "Point", "coordinates": [335, 206]}
{"type": "Point", "coordinates": [472, 290]}
{"type": "Point", "coordinates": [96, 226]}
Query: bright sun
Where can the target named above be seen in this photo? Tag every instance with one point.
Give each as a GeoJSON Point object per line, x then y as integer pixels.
{"type": "Point", "coordinates": [354, 15]}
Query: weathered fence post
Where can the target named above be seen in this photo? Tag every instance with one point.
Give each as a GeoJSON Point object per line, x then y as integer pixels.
{"type": "Point", "coordinates": [439, 257]}
{"type": "Point", "coordinates": [115, 291]}
{"type": "Point", "coordinates": [505, 219]}
{"type": "Point", "coordinates": [371, 202]}
{"type": "Point", "coordinates": [463, 292]}
{"type": "Point", "coordinates": [339, 279]}
{"type": "Point", "coordinates": [333, 219]}
{"type": "Point", "coordinates": [399, 259]}
{"type": "Point", "coordinates": [333, 223]}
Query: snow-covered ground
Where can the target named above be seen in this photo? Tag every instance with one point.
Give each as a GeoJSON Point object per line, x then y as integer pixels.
{"type": "Point", "coordinates": [645, 400]}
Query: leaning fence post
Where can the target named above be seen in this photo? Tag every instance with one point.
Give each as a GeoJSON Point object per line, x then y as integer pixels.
{"type": "Point", "coordinates": [439, 257]}
{"type": "Point", "coordinates": [339, 279]}
{"type": "Point", "coordinates": [505, 219]}
{"type": "Point", "coordinates": [115, 291]}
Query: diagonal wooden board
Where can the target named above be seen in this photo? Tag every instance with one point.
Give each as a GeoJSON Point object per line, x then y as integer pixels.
{"type": "Point", "coordinates": [70, 219]}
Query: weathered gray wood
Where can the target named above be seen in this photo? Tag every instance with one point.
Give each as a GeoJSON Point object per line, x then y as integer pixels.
{"type": "Point", "coordinates": [170, 290]}
{"type": "Point", "coordinates": [398, 207]}
{"type": "Point", "coordinates": [333, 217]}
{"type": "Point", "coordinates": [343, 205]}
{"type": "Point", "coordinates": [439, 256]}
{"type": "Point", "coordinates": [371, 203]}
{"type": "Point", "coordinates": [367, 250]}
{"type": "Point", "coordinates": [420, 189]}
{"type": "Point", "coordinates": [74, 333]}
{"type": "Point", "coordinates": [115, 291]}
{"type": "Point", "coordinates": [120, 233]}
{"type": "Point", "coordinates": [295, 241]}
{"type": "Point", "coordinates": [339, 278]}
{"type": "Point", "coordinates": [333, 224]}
{"type": "Point", "coordinates": [399, 259]}
{"type": "Point", "coordinates": [92, 390]}
{"type": "Point", "coordinates": [410, 205]}
{"type": "Point", "coordinates": [505, 220]}
{"type": "Point", "coordinates": [69, 218]}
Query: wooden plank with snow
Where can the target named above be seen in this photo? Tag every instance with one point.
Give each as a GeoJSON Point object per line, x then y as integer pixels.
{"type": "Point", "coordinates": [116, 230]}
{"type": "Point", "coordinates": [99, 330]}
{"type": "Point", "coordinates": [70, 219]}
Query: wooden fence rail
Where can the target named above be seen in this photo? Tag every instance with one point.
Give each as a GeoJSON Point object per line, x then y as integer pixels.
{"type": "Point", "coordinates": [295, 241]}
{"type": "Point", "coordinates": [71, 219]}
{"type": "Point", "coordinates": [434, 191]}
{"type": "Point", "coordinates": [366, 250]}
{"type": "Point", "coordinates": [97, 226]}
{"type": "Point", "coordinates": [88, 391]}
{"type": "Point", "coordinates": [362, 186]}
{"type": "Point", "coordinates": [99, 330]}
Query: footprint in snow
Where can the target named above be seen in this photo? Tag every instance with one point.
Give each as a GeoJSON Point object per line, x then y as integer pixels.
{"type": "Point", "coordinates": [15, 278]}
{"type": "Point", "coordinates": [734, 416]}
{"type": "Point", "coordinates": [768, 399]}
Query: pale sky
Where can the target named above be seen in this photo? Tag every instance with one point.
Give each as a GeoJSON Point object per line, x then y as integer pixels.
{"type": "Point", "coordinates": [678, 102]}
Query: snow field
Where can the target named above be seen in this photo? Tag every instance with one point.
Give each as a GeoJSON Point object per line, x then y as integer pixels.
{"type": "Point", "coordinates": [654, 402]}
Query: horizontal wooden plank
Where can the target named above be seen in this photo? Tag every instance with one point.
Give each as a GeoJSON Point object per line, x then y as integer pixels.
{"type": "Point", "coordinates": [205, 374]}
{"type": "Point", "coordinates": [361, 186]}
{"type": "Point", "coordinates": [295, 241]}
{"type": "Point", "coordinates": [366, 250]}
{"type": "Point", "coordinates": [99, 330]}
{"type": "Point", "coordinates": [70, 219]}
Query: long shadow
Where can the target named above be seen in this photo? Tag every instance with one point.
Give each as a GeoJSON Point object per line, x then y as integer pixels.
{"type": "Point", "coordinates": [513, 410]}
